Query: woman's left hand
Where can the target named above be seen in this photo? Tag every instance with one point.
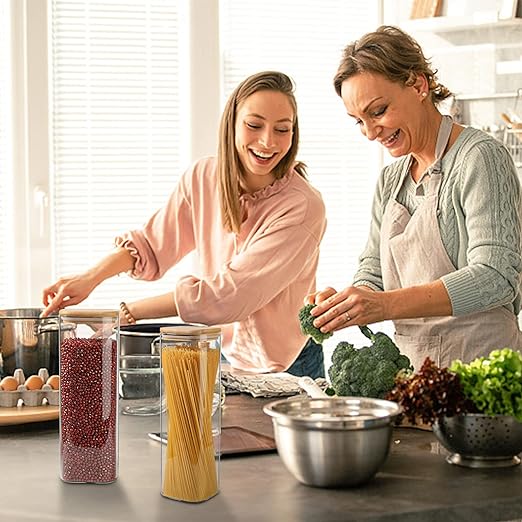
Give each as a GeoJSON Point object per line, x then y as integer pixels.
{"type": "Point", "coordinates": [352, 306]}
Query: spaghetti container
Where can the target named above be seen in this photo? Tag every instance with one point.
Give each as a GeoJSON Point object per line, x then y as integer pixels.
{"type": "Point", "coordinates": [89, 396]}
{"type": "Point", "coordinates": [190, 373]}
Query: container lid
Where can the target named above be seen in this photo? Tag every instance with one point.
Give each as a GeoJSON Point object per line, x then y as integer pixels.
{"type": "Point", "coordinates": [85, 312]}
{"type": "Point", "coordinates": [192, 331]}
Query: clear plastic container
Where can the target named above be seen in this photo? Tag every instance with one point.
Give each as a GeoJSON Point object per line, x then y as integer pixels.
{"type": "Point", "coordinates": [89, 396]}
{"type": "Point", "coordinates": [190, 371]}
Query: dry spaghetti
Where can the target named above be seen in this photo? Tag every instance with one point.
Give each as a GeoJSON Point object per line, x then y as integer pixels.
{"type": "Point", "coordinates": [190, 372]}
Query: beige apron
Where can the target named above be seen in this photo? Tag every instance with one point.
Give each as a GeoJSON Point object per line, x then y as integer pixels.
{"type": "Point", "coordinates": [412, 253]}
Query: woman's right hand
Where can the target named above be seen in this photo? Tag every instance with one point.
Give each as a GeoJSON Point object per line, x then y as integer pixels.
{"type": "Point", "coordinates": [67, 291]}
{"type": "Point", "coordinates": [72, 290]}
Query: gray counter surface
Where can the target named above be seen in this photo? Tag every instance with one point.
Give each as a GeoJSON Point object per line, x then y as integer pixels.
{"type": "Point", "coordinates": [415, 483]}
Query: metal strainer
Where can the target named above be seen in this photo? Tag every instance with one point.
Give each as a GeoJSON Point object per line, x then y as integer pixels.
{"type": "Point", "coordinates": [479, 441]}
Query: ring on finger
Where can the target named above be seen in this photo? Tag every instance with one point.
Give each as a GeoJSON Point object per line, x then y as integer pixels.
{"type": "Point", "coordinates": [347, 317]}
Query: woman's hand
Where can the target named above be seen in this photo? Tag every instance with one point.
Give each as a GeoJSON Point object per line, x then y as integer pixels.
{"type": "Point", "coordinates": [319, 297]}
{"type": "Point", "coordinates": [349, 307]}
{"type": "Point", "coordinates": [65, 292]}
{"type": "Point", "coordinates": [69, 291]}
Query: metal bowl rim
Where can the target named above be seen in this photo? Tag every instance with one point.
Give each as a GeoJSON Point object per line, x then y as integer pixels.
{"type": "Point", "coordinates": [335, 422]}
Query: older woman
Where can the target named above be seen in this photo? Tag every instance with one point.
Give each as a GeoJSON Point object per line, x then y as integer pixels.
{"type": "Point", "coordinates": [443, 257]}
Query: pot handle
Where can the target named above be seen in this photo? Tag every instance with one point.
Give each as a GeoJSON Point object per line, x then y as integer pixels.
{"type": "Point", "coordinates": [40, 323]}
{"type": "Point", "coordinates": [154, 346]}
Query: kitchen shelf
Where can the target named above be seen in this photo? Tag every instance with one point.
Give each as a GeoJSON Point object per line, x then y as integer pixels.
{"type": "Point", "coordinates": [454, 24]}
{"type": "Point", "coordinates": [483, 97]}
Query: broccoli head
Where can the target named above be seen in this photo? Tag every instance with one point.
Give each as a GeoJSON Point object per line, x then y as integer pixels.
{"type": "Point", "coordinates": [307, 325]}
{"type": "Point", "coordinates": [368, 371]}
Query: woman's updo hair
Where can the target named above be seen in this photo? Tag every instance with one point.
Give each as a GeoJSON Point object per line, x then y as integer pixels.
{"type": "Point", "coordinates": [391, 52]}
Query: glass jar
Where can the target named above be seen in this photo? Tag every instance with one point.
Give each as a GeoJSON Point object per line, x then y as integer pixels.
{"type": "Point", "coordinates": [89, 396]}
{"type": "Point", "coordinates": [190, 371]}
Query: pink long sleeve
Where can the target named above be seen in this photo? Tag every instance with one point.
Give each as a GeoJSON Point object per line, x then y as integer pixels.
{"type": "Point", "coordinates": [165, 239]}
{"type": "Point", "coordinates": [256, 280]}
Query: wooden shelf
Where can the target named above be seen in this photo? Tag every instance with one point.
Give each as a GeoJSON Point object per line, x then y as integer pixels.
{"type": "Point", "coordinates": [451, 24]}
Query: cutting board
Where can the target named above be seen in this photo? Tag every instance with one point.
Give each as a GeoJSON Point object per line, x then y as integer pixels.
{"type": "Point", "coordinates": [236, 440]}
{"type": "Point", "coordinates": [25, 414]}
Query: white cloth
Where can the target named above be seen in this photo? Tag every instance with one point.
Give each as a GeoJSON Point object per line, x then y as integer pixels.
{"type": "Point", "coordinates": [264, 384]}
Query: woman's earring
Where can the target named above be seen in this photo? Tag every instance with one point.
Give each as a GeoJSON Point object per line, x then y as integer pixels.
{"type": "Point", "coordinates": [424, 94]}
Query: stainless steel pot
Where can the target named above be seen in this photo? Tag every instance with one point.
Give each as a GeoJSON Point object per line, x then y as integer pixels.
{"type": "Point", "coordinates": [29, 342]}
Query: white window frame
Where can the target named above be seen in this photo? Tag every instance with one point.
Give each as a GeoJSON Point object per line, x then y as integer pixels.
{"type": "Point", "coordinates": [32, 169]}
{"type": "Point", "coordinates": [31, 249]}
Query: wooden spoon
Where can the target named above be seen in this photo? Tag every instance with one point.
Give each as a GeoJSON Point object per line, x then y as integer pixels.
{"type": "Point", "coordinates": [506, 118]}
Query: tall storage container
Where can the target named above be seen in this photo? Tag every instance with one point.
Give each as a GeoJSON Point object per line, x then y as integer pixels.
{"type": "Point", "coordinates": [190, 364]}
{"type": "Point", "coordinates": [89, 396]}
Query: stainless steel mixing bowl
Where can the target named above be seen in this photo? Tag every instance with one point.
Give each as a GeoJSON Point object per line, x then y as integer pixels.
{"type": "Point", "coordinates": [476, 440]}
{"type": "Point", "coordinates": [333, 442]}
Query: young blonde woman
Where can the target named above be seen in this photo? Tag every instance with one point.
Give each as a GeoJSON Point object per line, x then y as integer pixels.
{"type": "Point", "coordinates": [443, 258]}
{"type": "Point", "coordinates": [255, 224]}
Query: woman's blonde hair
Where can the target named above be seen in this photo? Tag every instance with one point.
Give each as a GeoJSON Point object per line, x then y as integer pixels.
{"type": "Point", "coordinates": [230, 171]}
{"type": "Point", "coordinates": [391, 52]}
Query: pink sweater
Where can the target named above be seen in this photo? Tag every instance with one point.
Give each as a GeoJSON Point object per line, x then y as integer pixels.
{"type": "Point", "coordinates": [255, 281]}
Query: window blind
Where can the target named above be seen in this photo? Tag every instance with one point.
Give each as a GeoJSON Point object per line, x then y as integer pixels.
{"type": "Point", "coordinates": [304, 39]}
{"type": "Point", "coordinates": [118, 125]}
{"type": "Point", "coordinates": [6, 163]}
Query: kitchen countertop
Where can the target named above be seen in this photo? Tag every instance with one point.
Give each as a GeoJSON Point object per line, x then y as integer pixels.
{"type": "Point", "coordinates": [414, 484]}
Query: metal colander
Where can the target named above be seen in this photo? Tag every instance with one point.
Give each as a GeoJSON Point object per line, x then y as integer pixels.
{"type": "Point", "coordinates": [478, 441]}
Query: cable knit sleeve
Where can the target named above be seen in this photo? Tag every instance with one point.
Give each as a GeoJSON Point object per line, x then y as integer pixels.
{"type": "Point", "coordinates": [165, 239]}
{"type": "Point", "coordinates": [486, 195]}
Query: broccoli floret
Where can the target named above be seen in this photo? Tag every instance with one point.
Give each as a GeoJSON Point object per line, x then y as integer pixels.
{"type": "Point", "coordinates": [343, 351]}
{"type": "Point", "coordinates": [333, 372]}
{"type": "Point", "coordinates": [343, 384]}
{"type": "Point", "coordinates": [369, 371]}
{"type": "Point", "coordinates": [307, 327]}
{"type": "Point", "coordinates": [403, 362]}
{"type": "Point", "coordinates": [385, 377]}
{"type": "Point", "coordinates": [385, 348]}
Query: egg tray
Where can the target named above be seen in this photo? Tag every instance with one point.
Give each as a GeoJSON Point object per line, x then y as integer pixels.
{"type": "Point", "coordinates": [23, 396]}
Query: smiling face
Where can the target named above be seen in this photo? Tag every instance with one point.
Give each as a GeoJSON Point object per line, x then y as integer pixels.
{"type": "Point", "coordinates": [389, 112]}
{"type": "Point", "coordinates": [263, 136]}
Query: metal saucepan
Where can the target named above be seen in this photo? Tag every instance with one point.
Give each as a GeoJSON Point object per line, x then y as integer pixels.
{"type": "Point", "coordinates": [139, 338]}
{"type": "Point", "coordinates": [29, 342]}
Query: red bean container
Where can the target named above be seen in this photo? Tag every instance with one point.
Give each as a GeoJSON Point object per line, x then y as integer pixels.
{"type": "Point", "coordinates": [190, 372]}
{"type": "Point", "coordinates": [89, 396]}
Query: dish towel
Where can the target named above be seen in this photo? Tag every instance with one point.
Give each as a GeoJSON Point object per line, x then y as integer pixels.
{"type": "Point", "coordinates": [280, 384]}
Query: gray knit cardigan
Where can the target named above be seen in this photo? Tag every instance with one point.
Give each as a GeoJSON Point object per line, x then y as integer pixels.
{"type": "Point", "coordinates": [479, 216]}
